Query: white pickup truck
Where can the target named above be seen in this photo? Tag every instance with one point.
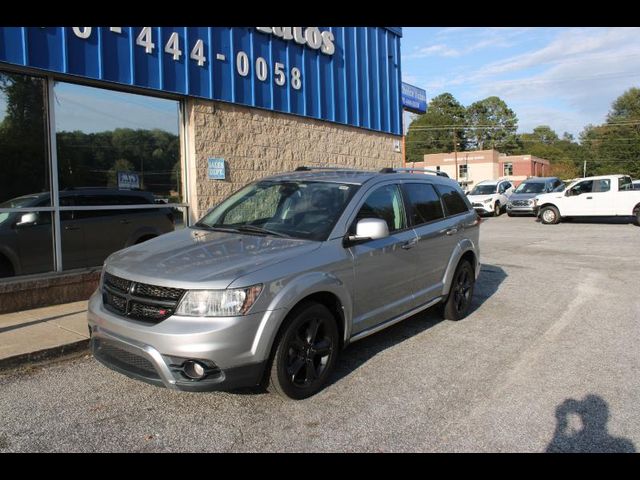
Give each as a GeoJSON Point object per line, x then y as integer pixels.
{"type": "Point", "coordinates": [606, 196]}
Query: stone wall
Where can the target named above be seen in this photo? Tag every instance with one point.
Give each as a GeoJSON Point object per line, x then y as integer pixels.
{"type": "Point", "coordinates": [257, 143]}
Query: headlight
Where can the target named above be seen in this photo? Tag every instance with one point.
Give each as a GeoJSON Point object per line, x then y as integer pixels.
{"type": "Point", "coordinates": [218, 303]}
{"type": "Point", "coordinates": [488, 200]}
{"type": "Point", "coordinates": [532, 201]}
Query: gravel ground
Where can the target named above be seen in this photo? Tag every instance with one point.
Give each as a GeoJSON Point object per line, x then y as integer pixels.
{"type": "Point", "coordinates": [548, 360]}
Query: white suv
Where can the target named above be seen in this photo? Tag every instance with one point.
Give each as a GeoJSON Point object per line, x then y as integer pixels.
{"type": "Point", "coordinates": [491, 196]}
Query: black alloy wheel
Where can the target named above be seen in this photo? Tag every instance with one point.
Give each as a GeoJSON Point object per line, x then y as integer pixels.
{"type": "Point", "coordinates": [461, 293]}
{"type": "Point", "coordinates": [306, 353]}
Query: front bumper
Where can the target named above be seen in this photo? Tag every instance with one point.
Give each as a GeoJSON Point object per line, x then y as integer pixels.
{"type": "Point", "coordinates": [515, 210]}
{"type": "Point", "coordinates": [483, 208]}
{"type": "Point", "coordinates": [232, 348]}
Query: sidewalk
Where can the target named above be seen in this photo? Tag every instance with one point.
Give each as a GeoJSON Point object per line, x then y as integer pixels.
{"type": "Point", "coordinates": [42, 333]}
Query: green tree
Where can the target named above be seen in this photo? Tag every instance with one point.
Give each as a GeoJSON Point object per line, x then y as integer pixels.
{"type": "Point", "coordinates": [614, 147]}
{"type": "Point", "coordinates": [434, 131]}
{"type": "Point", "coordinates": [492, 125]}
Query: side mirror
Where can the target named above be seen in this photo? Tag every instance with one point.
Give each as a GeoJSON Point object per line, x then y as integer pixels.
{"type": "Point", "coordinates": [27, 219]}
{"type": "Point", "coordinates": [369, 229]}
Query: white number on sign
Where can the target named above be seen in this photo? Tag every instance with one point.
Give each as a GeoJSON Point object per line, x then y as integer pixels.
{"type": "Point", "coordinates": [242, 63]}
{"type": "Point", "coordinates": [198, 53]}
{"type": "Point", "coordinates": [173, 46]}
{"type": "Point", "coordinates": [280, 77]}
{"type": "Point", "coordinates": [261, 69]}
{"type": "Point", "coordinates": [296, 82]}
{"type": "Point", "coordinates": [82, 32]}
{"type": "Point", "coordinates": [144, 40]}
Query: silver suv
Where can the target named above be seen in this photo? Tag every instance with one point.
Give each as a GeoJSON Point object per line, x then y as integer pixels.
{"type": "Point", "coordinates": [272, 283]}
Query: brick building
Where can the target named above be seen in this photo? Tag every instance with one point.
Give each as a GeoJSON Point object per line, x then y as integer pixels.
{"type": "Point", "coordinates": [469, 168]}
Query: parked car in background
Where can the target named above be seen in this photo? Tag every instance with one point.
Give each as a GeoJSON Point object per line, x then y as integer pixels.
{"type": "Point", "coordinates": [269, 286]}
{"type": "Point", "coordinates": [636, 184]}
{"type": "Point", "coordinates": [521, 200]}
{"type": "Point", "coordinates": [600, 196]}
{"type": "Point", "coordinates": [87, 236]}
{"type": "Point", "coordinates": [491, 196]}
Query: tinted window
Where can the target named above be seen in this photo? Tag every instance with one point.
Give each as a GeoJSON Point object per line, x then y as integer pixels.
{"type": "Point", "coordinates": [453, 201]}
{"type": "Point", "coordinates": [624, 183]}
{"type": "Point", "coordinates": [424, 203]}
{"type": "Point", "coordinates": [385, 203]}
{"type": "Point", "coordinates": [530, 187]}
{"type": "Point", "coordinates": [583, 187]}
{"type": "Point", "coordinates": [603, 186]}
{"type": "Point", "coordinates": [486, 189]}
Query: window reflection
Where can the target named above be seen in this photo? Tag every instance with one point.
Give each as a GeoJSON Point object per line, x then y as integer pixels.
{"type": "Point", "coordinates": [23, 138]}
{"type": "Point", "coordinates": [117, 140]}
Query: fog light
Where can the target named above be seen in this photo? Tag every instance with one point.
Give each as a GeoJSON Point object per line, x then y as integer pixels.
{"type": "Point", "coordinates": [194, 370]}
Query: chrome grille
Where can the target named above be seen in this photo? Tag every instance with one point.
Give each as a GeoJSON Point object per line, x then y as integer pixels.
{"type": "Point", "coordinates": [139, 301]}
{"type": "Point", "coordinates": [520, 203]}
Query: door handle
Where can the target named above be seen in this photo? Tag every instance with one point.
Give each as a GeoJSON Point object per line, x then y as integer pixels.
{"type": "Point", "coordinates": [71, 227]}
{"type": "Point", "coordinates": [409, 244]}
{"type": "Point", "coordinates": [125, 221]}
{"type": "Point", "coordinates": [589, 198]}
{"type": "Point", "coordinates": [451, 231]}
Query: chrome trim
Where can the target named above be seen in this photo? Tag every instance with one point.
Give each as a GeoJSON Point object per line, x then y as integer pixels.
{"type": "Point", "coordinates": [393, 321]}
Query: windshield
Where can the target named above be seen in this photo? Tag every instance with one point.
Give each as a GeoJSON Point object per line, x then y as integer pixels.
{"type": "Point", "coordinates": [560, 188]}
{"type": "Point", "coordinates": [20, 202]}
{"type": "Point", "coordinates": [297, 209]}
{"type": "Point", "coordinates": [483, 190]}
{"type": "Point", "coordinates": [530, 187]}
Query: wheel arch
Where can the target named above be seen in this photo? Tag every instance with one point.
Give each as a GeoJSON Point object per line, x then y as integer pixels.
{"type": "Point", "coordinates": [465, 250]}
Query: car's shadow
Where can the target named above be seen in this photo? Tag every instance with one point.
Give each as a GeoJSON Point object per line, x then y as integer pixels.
{"type": "Point", "coordinates": [357, 354]}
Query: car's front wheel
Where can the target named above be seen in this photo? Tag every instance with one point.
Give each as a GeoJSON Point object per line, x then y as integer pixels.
{"type": "Point", "coordinates": [549, 215]}
{"type": "Point", "coordinates": [496, 209]}
{"type": "Point", "coordinates": [306, 352]}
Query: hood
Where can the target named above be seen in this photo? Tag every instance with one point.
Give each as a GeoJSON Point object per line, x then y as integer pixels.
{"type": "Point", "coordinates": [481, 198]}
{"type": "Point", "coordinates": [523, 196]}
{"type": "Point", "coordinates": [192, 258]}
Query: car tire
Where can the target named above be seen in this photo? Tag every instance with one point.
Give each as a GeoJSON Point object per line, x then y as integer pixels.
{"type": "Point", "coordinates": [306, 352]}
{"type": "Point", "coordinates": [636, 212]}
{"type": "Point", "coordinates": [457, 304]}
{"type": "Point", "coordinates": [549, 215]}
{"type": "Point", "coordinates": [496, 209]}
{"type": "Point", "coordinates": [509, 214]}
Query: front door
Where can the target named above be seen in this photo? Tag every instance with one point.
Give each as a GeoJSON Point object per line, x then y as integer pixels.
{"type": "Point", "coordinates": [385, 269]}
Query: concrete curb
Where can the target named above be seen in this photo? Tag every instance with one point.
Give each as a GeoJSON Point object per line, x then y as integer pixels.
{"type": "Point", "coordinates": [25, 359]}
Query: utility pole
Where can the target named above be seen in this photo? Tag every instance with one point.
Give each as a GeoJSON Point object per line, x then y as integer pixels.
{"type": "Point", "coordinates": [455, 151]}
{"type": "Point", "coordinates": [584, 171]}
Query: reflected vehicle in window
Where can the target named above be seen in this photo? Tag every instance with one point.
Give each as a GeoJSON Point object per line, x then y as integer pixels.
{"type": "Point", "coordinates": [87, 236]}
{"type": "Point", "coordinates": [272, 283]}
{"type": "Point", "coordinates": [521, 200]}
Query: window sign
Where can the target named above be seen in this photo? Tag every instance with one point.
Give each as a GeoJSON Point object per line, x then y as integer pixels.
{"type": "Point", "coordinates": [128, 181]}
{"type": "Point", "coordinates": [216, 169]}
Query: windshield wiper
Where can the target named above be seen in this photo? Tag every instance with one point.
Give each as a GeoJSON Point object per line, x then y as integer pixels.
{"type": "Point", "coordinates": [204, 226]}
{"type": "Point", "coordinates": [256, 229]}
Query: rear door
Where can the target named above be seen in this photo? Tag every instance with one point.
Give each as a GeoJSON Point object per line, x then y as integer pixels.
{"type": "Point", "coordinates": [426, 215]}
{"type": "Point", "coordinates": [385, 269]}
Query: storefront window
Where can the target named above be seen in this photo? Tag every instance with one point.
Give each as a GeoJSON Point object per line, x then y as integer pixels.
{"type": "Point", "coordinates": [23, 140]}
{"type": "Point", "coordinates": [117, 140]}
{"type": "Point", "coordinates": [115, 150]}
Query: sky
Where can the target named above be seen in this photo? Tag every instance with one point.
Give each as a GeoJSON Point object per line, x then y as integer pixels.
{"type": "Point", "coordinates": [564, 77]}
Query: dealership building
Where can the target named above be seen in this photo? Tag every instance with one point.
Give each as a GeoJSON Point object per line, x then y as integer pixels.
{"type": "Point", "coordinates": [90, 117]}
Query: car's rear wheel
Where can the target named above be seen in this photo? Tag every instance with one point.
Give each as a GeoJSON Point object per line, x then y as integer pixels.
{"type": "Point", "coordinates": [636, 212]}
{"type": "Point", "coordinates": [549, 215]}
{"type": "Point", "coordinates": [306, 353]}
{"type": "Point", "coordinates": [496, 209]}
{"type": "Point", "coordinates": [458, 302]}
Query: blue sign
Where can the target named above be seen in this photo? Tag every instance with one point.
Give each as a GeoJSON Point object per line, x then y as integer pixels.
{"type": "Point", "coordinates": [216, 169]}
{"type": "Point", "coordinates": [414, 99]}
{"type": "Point", "coordinates": [128, 180]}
{"type": "Point", "coordinates": [349, 75]}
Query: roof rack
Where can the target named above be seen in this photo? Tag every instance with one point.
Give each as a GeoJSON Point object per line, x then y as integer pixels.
{"type": "Point", "coordinates": [426, 170]}
{"type": "Point", "coordinates": [307, 169]}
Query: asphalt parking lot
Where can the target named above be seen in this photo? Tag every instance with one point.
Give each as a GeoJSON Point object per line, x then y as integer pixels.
{"type": "Point", "coordinates": [547, 360]}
